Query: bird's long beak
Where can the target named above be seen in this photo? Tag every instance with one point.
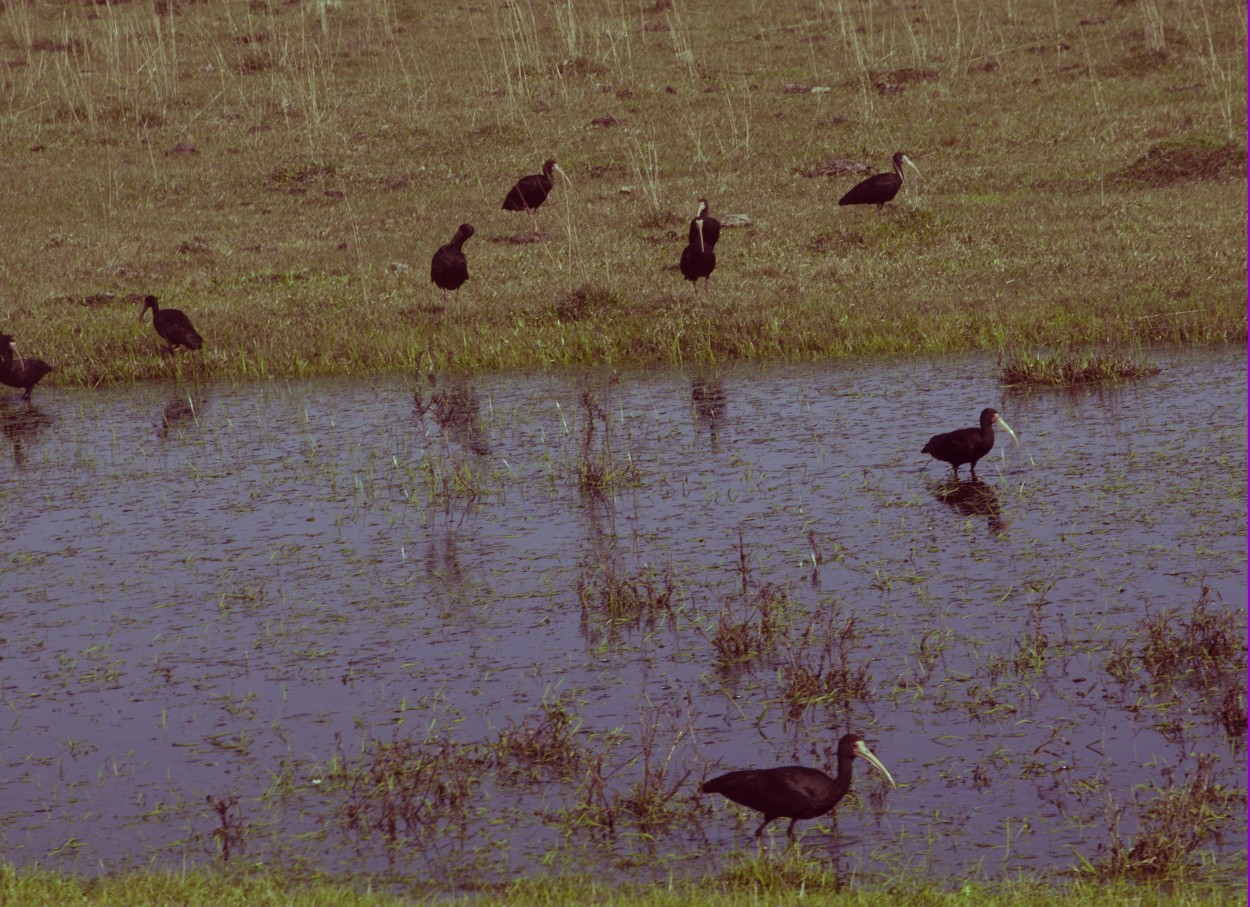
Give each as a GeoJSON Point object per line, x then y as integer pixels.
{"type": "Point", "coordinates": [560, 170]}
{"type": "Point", "coordinates": [907, 161]}
{"type": "Point", "coordinates": [998, 420]}
{"type": "Point", "coordinates": [861, 749]}
{"type": "Point", "coordinates": [702, 247]}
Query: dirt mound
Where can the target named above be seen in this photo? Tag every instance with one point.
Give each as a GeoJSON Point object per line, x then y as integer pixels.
{"type": "Point", "coordinates": [1178, 161]}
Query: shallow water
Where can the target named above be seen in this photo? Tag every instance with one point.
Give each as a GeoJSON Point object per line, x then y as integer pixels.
{"type": "Point", "coordinates": [216, 591]}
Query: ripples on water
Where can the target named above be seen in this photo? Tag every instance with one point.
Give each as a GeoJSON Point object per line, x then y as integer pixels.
{"type": "Point", "coordinates": [211, 591]}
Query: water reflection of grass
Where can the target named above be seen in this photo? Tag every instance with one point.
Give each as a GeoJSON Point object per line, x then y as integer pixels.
{"type": "Point", "coordinates": [1004, 658]}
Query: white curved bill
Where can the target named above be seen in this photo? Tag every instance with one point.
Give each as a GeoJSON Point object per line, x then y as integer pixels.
{"type": "Point", "coordinates": [861, 749]}
{"type": "Point", "coordinates": [998, 420]}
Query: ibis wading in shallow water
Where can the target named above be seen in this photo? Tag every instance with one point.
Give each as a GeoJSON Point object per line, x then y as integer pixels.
{"type": "Point", "coordinates": [794, 791]}
{"type": "Point", "coordinates": [698, 259]}
{"type": "Point", "coordinates": [25, 373]}
{"type": "Point", "coordinates": [450, 269]}
{"type": "Point", "coordinates": [531, 191]}
{"type": "Point", "coordinates": [967, 445]}
{"type": "Point", "coordinates": [174, 327]}
{"type": "Point", "coordinates": [881, 188]}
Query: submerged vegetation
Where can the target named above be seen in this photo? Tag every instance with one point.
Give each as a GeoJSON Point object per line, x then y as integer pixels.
{"type": "Point", "coordinates": [283, 172]}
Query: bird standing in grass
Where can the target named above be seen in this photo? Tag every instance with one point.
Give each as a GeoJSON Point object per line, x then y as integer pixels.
{"type": "Point", "coordinates": [704, 229]}
{"type": "Point", "coordinates": [25, 373]}
{"type": "Point", "coordinates": [794, 791]}
{"type": "Point", "coordinates": [698, 259]}
{"type": "Point", "coordinates": [880, 188]}
{"type": "Point", "coordinates": [531, 191]}
{"type": "Point", "coordinates": [174, 327]}
{"type": "Point", "coordinates": [967, 445]}
{"type": "Point", "coordinates": [449, 269]}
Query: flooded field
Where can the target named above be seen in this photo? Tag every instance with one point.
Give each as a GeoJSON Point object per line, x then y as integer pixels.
{"type": "Point", "coordinates": [469, 628]}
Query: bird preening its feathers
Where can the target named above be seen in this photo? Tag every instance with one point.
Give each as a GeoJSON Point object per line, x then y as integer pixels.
{"type": "Point", "coordinates": [449, 269]}
{"type": "Point", "coordinates": [794, 791]}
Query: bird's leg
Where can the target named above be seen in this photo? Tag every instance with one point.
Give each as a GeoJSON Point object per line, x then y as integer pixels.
{"type": "Point", "coordinates": [790, 830]}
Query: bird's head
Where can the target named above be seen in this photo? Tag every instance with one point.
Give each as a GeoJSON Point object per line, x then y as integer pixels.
{"type": "Point", "coordinates": [149, 302]}
{"type": "Point", "coordinates": [900, 159]}
{"type": "Point", "coordinates": [853, 745]}
{"type": "Point", "coordinates": [990, 417]}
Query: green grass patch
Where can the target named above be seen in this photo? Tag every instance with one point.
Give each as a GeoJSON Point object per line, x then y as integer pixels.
{"type": "Point", "coordinates": [283, 172]}
{"type": "Point", "coordinates": [762, 881]}
{"type": "Point", "coordinates": [1066, 368]}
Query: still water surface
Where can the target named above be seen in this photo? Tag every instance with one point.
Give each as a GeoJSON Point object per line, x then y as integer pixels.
{"type": "Point", "coordinates": [214, 591]}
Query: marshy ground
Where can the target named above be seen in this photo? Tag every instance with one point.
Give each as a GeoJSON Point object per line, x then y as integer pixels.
{"type": "Point", "coordinates": [403, 615]}
{"type": "Point", "coordinates": [452, 629]}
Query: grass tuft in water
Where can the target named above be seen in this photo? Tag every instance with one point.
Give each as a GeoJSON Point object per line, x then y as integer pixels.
{"type": "Point", "coordinates": [1172, 826]}
{"type": "Point", "coordinates": [1067, 368]}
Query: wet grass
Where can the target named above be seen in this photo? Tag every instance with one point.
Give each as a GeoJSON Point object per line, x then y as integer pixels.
{"type": "Point", "coordinates": [1175, 820]}
{"type": "Point", "coordinates": [1003, 657]}
{"type": "Point", "coordinates": [283, 172]}
{"type": "Point", "coordinates": [763, 882]}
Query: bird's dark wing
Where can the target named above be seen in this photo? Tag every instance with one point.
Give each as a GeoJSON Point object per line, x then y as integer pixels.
{"type": "Point", "coordinates": [875, 190]}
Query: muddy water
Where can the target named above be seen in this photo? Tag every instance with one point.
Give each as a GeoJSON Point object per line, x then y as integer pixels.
{"type": "Point", "coordinates": [214, 594]}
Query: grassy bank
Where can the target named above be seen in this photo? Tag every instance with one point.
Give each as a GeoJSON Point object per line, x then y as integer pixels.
{"type": "Point", "coordinates": [754, 886]}
{"type": "Point", "coordinates": [283, 173]}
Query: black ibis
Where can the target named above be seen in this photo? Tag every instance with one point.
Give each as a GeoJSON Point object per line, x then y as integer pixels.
{"type": "Point", "coordinates": [531, 191]}
{"type": "Point", "coordinates": [450, 269]}
{"type": "Point", "coordinates": [695, 264]}
{"type": "Point", "coordinates": [25, 373]}
{"type": "Point", "coordinates": [794, 791]}
{"type": "Point", "coordinates": [704, 229]}
{"type": "Point", "coordinates": [698, 259]}
{"type": "Point", "coordinates": [880, 188]}
{"type": "Point", "coordinates": [174, 327]}
{"type": "Point", "coordinates": [967, 445]}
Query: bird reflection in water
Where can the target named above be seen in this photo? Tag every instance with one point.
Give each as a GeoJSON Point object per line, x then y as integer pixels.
{"type": "Point", "coordinates": [455, 408]}
{"type": "Point", "coordinates": [707, 392]}
{"type": "Point", "coordinates": [973, 498]}
{"type": "Point", "coordinates": [176, 412]}
{"type": "Point", "coordinates": [22, 426]}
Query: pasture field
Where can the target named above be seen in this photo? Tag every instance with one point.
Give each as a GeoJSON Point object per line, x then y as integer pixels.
{"type": "Point", "coordinates": [283, 172]}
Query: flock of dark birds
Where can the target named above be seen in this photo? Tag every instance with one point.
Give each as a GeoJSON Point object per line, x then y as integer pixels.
{"type": "Point", "coordinates": [450, 269]}
{"type": "Point", "coordinates": [793, 792]}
